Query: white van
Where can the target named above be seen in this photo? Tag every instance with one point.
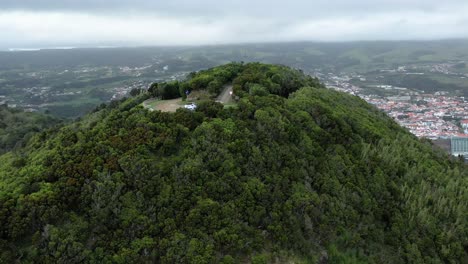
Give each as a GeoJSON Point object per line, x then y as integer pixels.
{"type": "Point", "coordinates": [191, 106]}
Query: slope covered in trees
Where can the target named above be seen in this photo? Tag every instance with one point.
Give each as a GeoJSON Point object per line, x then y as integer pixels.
{"type": "Point", "coordinates": [17, 126]}
{"type": "Point", "coordinates": [295, 173]}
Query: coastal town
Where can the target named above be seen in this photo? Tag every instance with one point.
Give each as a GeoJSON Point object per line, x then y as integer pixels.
{"type": "Point", "coordinates": [437, 115]}
{"type": "Point", "coordinates": [428, 115]}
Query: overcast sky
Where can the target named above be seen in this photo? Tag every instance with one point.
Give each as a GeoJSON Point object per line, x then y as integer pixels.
{"type": "Point", "coordinates": [48, 23]}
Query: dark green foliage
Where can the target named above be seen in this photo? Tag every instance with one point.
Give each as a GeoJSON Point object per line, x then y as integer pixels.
{"type": "Point", "coordinates": [17, 126]}
{"type": "Point", "coordinates": [251, 78]}
{"type": "Point", "coordinates": [214, 79]}
{"type": "Point", "coordinates": [261, 79]}
{"type": "Point", "coordinates": [317, 176]}
{"type": "Point", "coordinates": [215, 86]}
{"type": "Point", "coordinates": [258, 90]}
{"type": "Point", "coordinates": [209, 108]}
{"type": "Point", "coordinates": [166, 90]}
{"type": "Point", "coordinates": [183, 89]}
{"type": "Point", "coordinates": [136, 91]}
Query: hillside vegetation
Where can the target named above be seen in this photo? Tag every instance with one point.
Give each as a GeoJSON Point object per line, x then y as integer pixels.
{"type": "Point", "coordinates": [296, 173]}
{"type": "Point", "coordinates": [17, 126]}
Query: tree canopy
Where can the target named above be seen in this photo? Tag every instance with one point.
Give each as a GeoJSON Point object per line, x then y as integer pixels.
{"type": "Point", "coordinates": [17, 126]}
{"type": "Point", "coordinates": [296, 172]}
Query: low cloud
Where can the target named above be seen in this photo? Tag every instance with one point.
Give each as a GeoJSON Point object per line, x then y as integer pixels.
{"type": "Point", "coordinates": [89, 23]}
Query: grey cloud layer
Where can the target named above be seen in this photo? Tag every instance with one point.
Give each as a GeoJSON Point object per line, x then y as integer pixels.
{"type": "Point", "coordinates": [140, 22]}
{"type": "Point", "coordinates": [290, 8]}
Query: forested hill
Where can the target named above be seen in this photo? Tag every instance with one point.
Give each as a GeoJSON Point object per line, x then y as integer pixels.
{"type": "Point", "coordinates": [17, 126]}
{"type": "Point", "coordinates": [295, 173]}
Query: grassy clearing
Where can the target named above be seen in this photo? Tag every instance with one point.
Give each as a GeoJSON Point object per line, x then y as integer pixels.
{"type": "Point", "coordinates": [152, 103]}
{"type": "Point", "coordinates": [164, 105]}
{"type": "Point", "coordinates": [231, 105]}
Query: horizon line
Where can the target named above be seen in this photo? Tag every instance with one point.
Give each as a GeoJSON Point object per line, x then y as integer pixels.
{"type": "Point", "coordinates": [130, 46]}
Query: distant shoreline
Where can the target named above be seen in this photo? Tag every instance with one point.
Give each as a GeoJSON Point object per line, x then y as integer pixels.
{"type": "Point", "coordinates": [57, 48]}
{"type": "Point", "coordinates": [90, 46]}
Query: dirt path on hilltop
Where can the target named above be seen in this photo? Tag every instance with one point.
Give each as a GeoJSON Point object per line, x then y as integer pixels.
{"type": "Point", "coordinates": [226, 95]}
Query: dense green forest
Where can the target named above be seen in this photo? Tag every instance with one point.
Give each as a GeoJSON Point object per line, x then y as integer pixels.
{"type": "Point", "coordinates": [17, 126]}
{"type": "Point", "coordinates": [256, 79]}
{"type": "Point", "coordinates": [294, 173]}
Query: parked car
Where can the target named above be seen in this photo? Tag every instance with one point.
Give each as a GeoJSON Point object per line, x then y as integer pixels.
{"type": "Point", "coordinates": [191, 106]}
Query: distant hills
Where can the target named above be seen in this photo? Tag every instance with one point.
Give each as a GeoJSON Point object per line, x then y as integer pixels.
{"type": "Point", "coordinates": [343, 56]}
{"type": "Point", "coordinates": [295, 173]}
